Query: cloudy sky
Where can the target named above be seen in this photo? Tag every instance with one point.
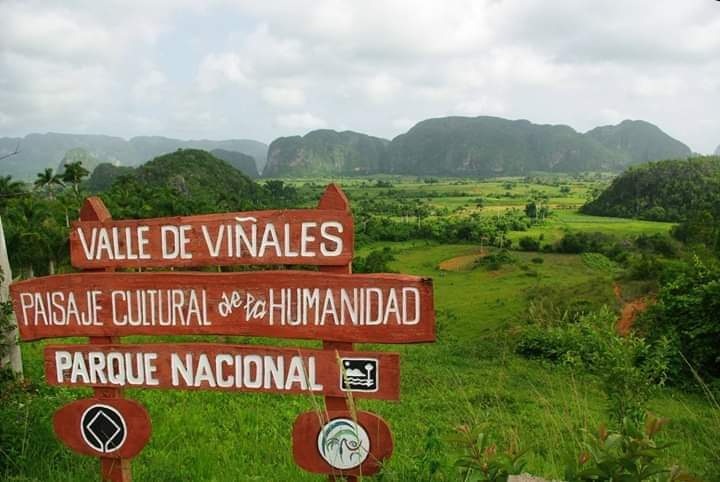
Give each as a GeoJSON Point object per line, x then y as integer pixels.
{"type": "Point", "coordinates": [262, 69]}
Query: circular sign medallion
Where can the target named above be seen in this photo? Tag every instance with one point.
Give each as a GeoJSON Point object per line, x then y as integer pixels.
{"type": "Point", "coordinates": [343, 443]}
{"type": "Point", "coordinates": [103, 428]}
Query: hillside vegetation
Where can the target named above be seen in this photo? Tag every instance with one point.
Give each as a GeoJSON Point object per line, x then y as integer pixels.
{"type": "Point", "coordinates": [640, 141]}
{"type": "Point", "coordinates": [326, 152]}
{"type": "Point", "coordinates": [183, 182]}
{"type": "Point", "coordinates": [238, 160]}
{"type": "Point", "coordinates": [472, 146]}
{"type": "Point", "coordinates": [38, 151]}
{"type": "Point", "coordinates": [662, 191]}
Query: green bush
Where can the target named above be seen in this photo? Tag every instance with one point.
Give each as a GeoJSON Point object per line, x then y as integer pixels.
{"type": "Point", "coordinates": [629, 454]}
{"type": "Point", "coordinates": [527, 243]}
{"type": "Point", "coordinates": [629, 367]}
{"type": "Point", "coordinates": [688, 312]}
{"type": "Point", "coordinates": [481, 461]}
{"type": "Point", "coordinates": [495, 261]}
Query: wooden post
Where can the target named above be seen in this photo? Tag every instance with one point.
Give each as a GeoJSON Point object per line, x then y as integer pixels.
{"type": "Point", "coordinates": [14, 357]}
{"type": "Point", "coordinates": [111, 469]}
{"type": "Point", "coordinates": [334, 198]}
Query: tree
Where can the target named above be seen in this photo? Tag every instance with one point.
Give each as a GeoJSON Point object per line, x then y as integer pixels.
{"type": "Point", "coordinates": [74, 174]}
{"type": "Point", "coordinates": [47, 180]}
{"type": "Point", "coordinates": [9, 189]}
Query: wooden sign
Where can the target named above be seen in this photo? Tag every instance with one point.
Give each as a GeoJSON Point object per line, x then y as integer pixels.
{"type": "Point", "coordinates": [299, 236]}
{"type": "Point", "coordinates": [341, 443]}
{"type": "Point", "coordinates": [246, 368]}
{"type": "Point", "coordinates": [381, 308]}
{"type": "Point", "coordinates": [103, 427]}
{"type": "Point", "coordinates": [328, 305]}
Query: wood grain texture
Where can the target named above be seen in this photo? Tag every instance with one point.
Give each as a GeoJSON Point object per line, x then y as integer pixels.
{"type": "Point", "coordinates": [267, 304]}
{"type": "Point", "coordinates": [207, 247]}
{"type": "Point", "coordinates": [67, 425]}
{"type": "Point", "coordinates": [305, 446]}
{"type": "Point", "coordinates": [111, 469]}
{"type": "Point", "coordinates": [319, 369]}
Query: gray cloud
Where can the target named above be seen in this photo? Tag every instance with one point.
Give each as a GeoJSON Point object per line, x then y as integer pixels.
{"type": "Point", "coordinates": [264, 69]}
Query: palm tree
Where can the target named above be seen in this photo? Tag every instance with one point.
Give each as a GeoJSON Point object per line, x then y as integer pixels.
{"type": "Point", "coordinates": [9, 189]}
{"type": "Point", "coordinates": [47, 180]}
{"type": "Point", "coordinates": [74, 174]}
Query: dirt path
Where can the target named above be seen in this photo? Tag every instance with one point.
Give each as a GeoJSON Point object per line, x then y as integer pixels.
{"type": "Point", "coordinates": [630, 310]}
{"type": "Point", "coordinates": [461, 263]}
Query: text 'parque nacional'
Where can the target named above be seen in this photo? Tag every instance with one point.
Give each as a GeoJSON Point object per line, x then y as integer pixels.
{"type": "Point", "coordinates": [220, 367]}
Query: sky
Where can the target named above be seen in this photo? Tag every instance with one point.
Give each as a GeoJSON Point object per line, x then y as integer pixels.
{"type": "Point", "coordinates": [262, 69]}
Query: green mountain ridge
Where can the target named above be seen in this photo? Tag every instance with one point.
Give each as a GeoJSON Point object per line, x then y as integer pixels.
{"type": "Point", "coordinates": [326, 152]}
{"type": "Point", "coordinates": [38, 151]}
{"type": "Point", "coordinates": [182, 182]}
{"type": "Point", "coordinates": [640, 140]}
{"type": "Point", "coordinates": [472, 146]}
{"type": "Point", "coordinates": [667, 190]}
{"type": "Point", "coordinates": [238, 160]}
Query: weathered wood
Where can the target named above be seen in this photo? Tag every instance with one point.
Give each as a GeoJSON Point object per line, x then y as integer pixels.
{"type": "Point", "coordinates": [112, 469]}
{"type": "Point", "coordinates": [314, 453]}
{"type": "Point", "coordinates": [13, 358]}
{"type": "Point", "coordinates": [335, 198]}
{"type": "Point", "coordinates": [77, 426]}
{"type": "Point", "coordinates": [296, 236]}
{"type": "Point", "coordinates": [383, 308]}
{"type": "Point", "coordinates": [204, 366]}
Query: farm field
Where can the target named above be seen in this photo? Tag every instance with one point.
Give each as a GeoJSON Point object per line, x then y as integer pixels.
{"type": "Point", "coordinates": [470, 376]}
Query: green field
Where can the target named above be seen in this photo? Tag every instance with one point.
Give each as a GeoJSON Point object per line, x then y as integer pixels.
{"type": "Point", "coordinates": [470, 376]}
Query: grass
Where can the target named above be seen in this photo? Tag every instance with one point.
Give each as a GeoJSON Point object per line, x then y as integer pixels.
{"type": "Point", "coordinates": [470, 376]}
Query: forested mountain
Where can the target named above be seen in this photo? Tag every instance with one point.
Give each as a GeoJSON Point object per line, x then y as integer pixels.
{"type": "Point", "coordinates": [38, 151]}
{"type": "Point", "coordinates": [326, 152]}
{"type": "Point", "coordinates": [663, 191]}
{"type": "Point", "coordinates": [238, 160]}
{"type": "Point", "coordinates": [183, 182]}
{"type": "Point", "coordinates": [491, 146]}
{"type": "Point", "coordinates": [81, 155]}
{"type": "Point", "coordinates": [640, 141]}
{"type": "Point", "coordinates": [473, 146]}
{"type": "Point", "coordinates": [105, 174]}
{"type": "Point", "coordinates": [717, 151]}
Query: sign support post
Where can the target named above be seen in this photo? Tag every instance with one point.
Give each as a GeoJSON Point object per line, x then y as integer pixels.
{"type": "Point", "coordinates": [111, 469]}
{"type": "Point", "coordinates": [329, 305]}
{"type": "Point", "coordinates": [334, 198]}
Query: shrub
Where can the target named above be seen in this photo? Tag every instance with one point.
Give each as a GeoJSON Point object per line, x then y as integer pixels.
{"type": "Point", "coordinates": [687, 312]}
{"type": "Point", "coordinates": [481, 460]}
{"type": "Point", "coordinates": [629, 367]}
{"type": "Point", "coordinates": [496, 260]}
{"type": "Point", "coordinates": [377, 261]}
{"type": "Point", "coordinates": [527, 243]}
{"type": "Point", "coordinates": [628, 454]}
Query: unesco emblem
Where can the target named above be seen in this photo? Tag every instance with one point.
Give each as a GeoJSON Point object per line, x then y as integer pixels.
{"type": "Point", "coordinates": [103, 428]}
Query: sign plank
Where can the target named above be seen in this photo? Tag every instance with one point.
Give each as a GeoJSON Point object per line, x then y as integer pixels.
{"type": "Point", "coordinates": [382, 308]}
{"type": "Point", "coordinates": [103, 427]}
{"type": "Point", "coordinates": [341, 443]}
{"type": "Point", "coordinates": [296, 236]}
{"type": "Point", "coordinates": [248, 368]}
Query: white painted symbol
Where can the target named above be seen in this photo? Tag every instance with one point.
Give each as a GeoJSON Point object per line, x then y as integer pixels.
{"type": "Point", "coordinates": [343, 443]}
{"type": "Point", "coordinates": [103, 428]}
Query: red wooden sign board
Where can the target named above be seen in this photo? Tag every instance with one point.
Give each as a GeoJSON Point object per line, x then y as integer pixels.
{"type": "Point", "coordinates": [341, 443]}
{"type": "Point", "coordinates": [103, 427]}
{"type": "Point", "coordinates": [285, 304]}
{"type": "Point", "coordinates": [298, 236]}
{"type": "Point", "coordinates": [330, 305]}
{"type": "Point", "coordinates": [205, 366]}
